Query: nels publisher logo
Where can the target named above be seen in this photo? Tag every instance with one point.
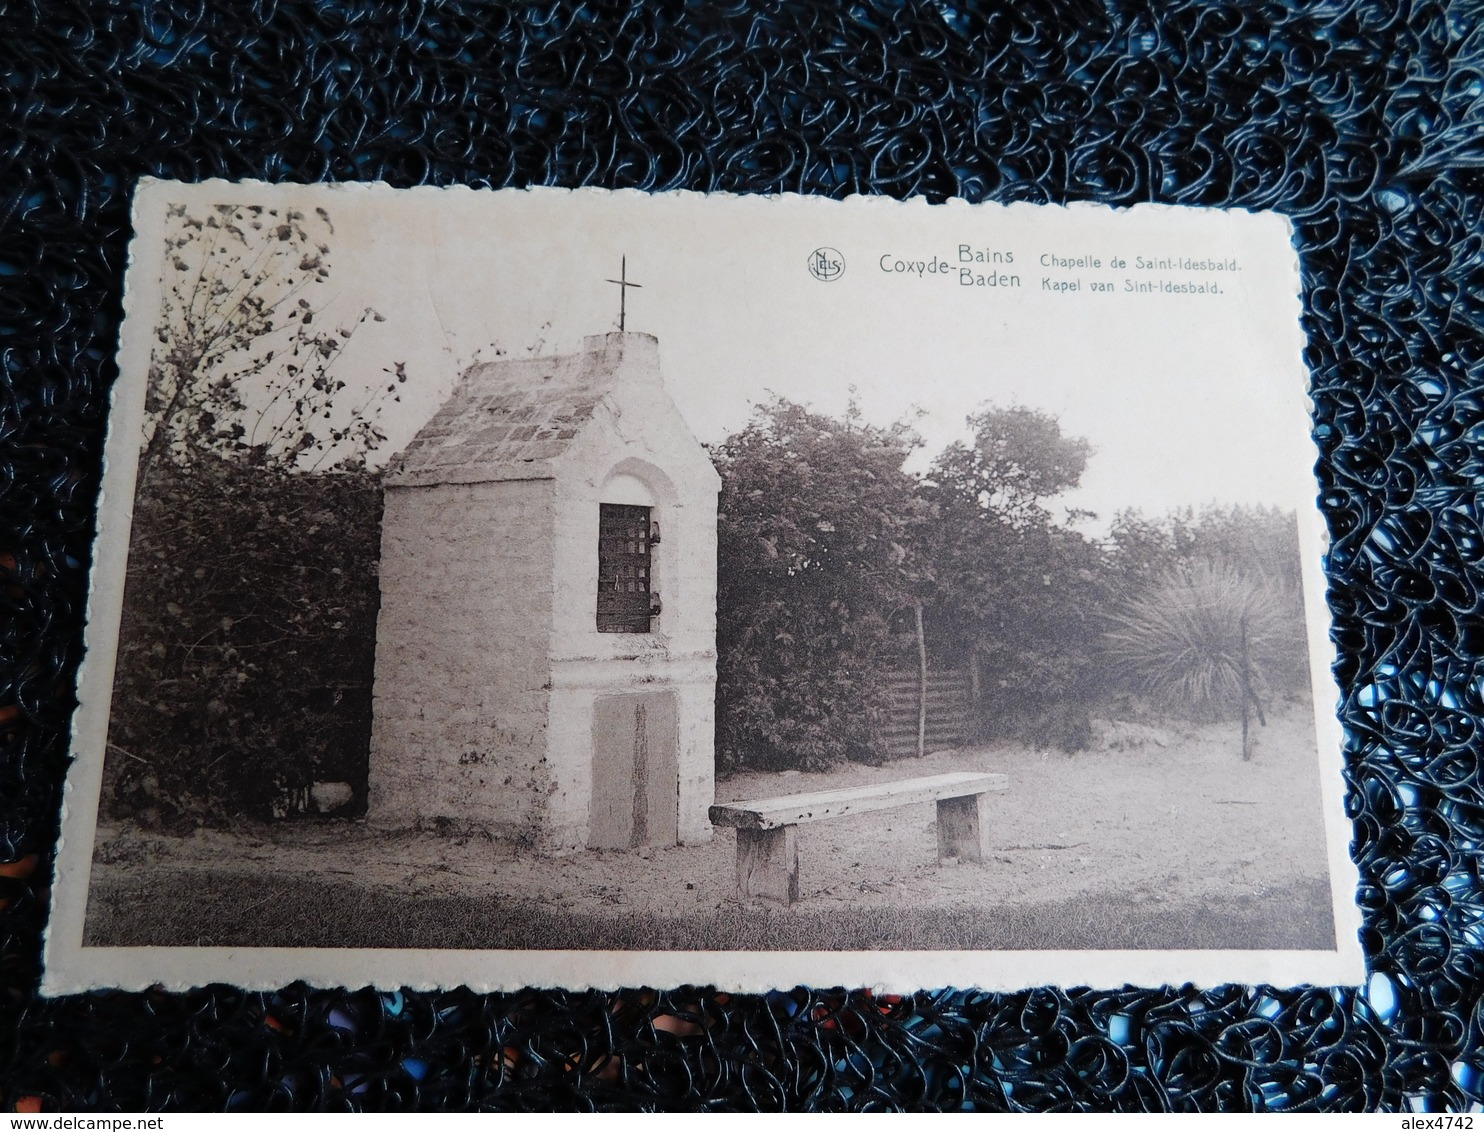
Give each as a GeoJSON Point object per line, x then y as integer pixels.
{"type": "Point", "coordinates": [826, 264]}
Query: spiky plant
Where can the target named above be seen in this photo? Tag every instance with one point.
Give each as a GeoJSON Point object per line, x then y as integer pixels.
{"type": "Point", "coordinates": [1180, 642]}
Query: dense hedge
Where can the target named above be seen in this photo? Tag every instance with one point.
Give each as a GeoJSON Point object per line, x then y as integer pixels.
{"type": "Point", "coordinates": [247, 647]}
{"type": "Point", "coordinates": [247, 643]}
{"type": "Point", "coordinates": [814, 525]}
{"type": "Point", "coordinates": [829, 546]}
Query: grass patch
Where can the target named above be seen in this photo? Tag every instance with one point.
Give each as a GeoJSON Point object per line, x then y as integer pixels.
{"type": "Point", "coordinates": [207, 909]}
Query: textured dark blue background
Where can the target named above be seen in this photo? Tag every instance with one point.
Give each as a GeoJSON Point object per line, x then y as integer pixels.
{"type": "Point", "coordinates": [1363, 121]}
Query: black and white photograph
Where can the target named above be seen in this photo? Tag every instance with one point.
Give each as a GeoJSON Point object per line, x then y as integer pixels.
{"type": "Point", "coordinates": [580, 588]}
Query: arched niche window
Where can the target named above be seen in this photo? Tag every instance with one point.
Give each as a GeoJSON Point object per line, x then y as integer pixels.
{"type": "Point", "coordinates": [627, 599]}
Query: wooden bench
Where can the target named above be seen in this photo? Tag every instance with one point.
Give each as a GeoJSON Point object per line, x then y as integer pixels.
{"type": "Point", "coordinates": [767, 841]}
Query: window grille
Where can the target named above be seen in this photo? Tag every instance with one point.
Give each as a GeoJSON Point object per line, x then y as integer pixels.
{"type": "Point", "coordinates": [623, 568]}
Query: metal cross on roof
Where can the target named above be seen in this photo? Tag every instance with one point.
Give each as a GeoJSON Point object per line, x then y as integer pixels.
{"type": "Point", "coordinates": [623, 289]}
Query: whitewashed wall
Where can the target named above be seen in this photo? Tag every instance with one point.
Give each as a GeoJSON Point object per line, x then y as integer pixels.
{"type": "Point", "coordinates": [637, 434]}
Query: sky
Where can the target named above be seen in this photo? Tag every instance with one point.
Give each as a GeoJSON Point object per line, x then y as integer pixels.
{"type": "Point", "coordinates": [1186, 398]}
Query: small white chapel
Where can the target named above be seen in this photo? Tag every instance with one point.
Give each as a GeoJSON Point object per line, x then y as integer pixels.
{"type": "Point", "coordinates": [546, 645]}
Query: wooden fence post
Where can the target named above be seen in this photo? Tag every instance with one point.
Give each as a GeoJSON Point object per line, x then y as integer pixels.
{"type": "Point", "coordinates": [921, 684]}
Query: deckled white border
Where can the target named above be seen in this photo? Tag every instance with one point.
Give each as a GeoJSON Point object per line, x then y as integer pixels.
{"type": "Point", "coordinates": [70, 967]}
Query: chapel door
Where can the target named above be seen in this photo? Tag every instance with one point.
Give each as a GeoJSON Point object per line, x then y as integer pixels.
{"type": "Point", "coordinates": [636, 771]}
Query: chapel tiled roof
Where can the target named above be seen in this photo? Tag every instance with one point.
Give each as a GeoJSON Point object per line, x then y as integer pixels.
{"type": "Point", "coordinates": [506, 420]}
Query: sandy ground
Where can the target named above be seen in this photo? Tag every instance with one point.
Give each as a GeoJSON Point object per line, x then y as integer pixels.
{"type": "Point", "coordinates": [1150, 815]}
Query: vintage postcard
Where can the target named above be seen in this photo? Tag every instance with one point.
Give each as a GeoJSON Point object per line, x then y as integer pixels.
{"type": "Point", "coordinates": [572, 588]}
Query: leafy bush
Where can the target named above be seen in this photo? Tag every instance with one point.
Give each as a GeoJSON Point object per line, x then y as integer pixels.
{"type": "Point", "coordinates": [247, 642]}
{"type": "Point", "coordinates": [1180, 641]}
{"type": "Point", "coordinates": [1260, 542]}
{"type": "Point", "coordinates": [1016, 589]}
{"type": "Point", "coordinates": [827, 545]}
{"type": "Point", "coordinates": [248, 631]}
{"type": "Point", "coordinates": [815, 522]}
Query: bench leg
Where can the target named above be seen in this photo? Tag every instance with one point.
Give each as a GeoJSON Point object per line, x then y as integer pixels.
{"type": "Point", "coordinates": [963, 827]}
{"type": "Point", "coordinates": [768, 864]}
